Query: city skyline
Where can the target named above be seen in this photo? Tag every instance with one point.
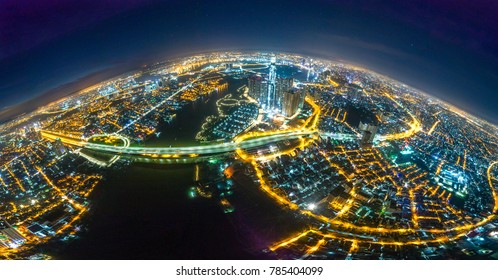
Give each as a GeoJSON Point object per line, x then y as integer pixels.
{"type": "Point", "coordinates": [248, 139]}
{"type": "Point", "coordinates": [358, 165]}
{"type": "Point", "coordinates": [444, 48]}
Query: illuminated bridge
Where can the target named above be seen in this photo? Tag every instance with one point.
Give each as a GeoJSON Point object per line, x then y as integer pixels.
{"type": "Point", "coordinates": [251, 142]}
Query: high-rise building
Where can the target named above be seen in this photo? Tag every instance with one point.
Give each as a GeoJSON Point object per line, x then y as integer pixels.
{"type": "Point", "coordinates": [369, 131]}
{"type": "Point", "coordinates": [291, 101]}
{"type": "Point", "coordinates": [33, 135]}
{"type": "Point", "coordinates": [282, 86]}
{"type": "Point", "coordinates": [363, 126]}
{"type": "Point", "coordinates": [59, 148]}
{"type": "Point", "coordinates": [270, 91]}
{"type": "Point", "coordinates": [258, 86]}
{"type": "Point", "coordinates": [269, 99]}
{"type": "Point", "coordinates": [365, 138]}
{"type": "Point", "coordinates": [269, 95]}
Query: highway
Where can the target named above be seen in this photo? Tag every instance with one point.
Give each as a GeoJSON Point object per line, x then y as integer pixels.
{"type": "Point", "coordinates": [246, 141]}
{"type": "Point", "coordinates": [216, 148]}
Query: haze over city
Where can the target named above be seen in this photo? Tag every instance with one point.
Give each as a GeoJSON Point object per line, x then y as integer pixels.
{"type": "Point", "coordinates": [447, 48]}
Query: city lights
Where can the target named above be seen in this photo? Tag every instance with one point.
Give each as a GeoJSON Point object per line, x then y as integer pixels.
{"type": "Point", "coordinates": [365, 166]}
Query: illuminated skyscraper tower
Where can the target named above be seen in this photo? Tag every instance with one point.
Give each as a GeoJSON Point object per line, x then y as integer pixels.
{"type": "Point", "coordinates": [270, 91]}
{"type": "Point", "coordinates": [271, 99]}
{"type": "Point", "coordinates": [291, 101]}
{"type": "Point", "coordinates": [258, 87]}
{"type": "Point", "coordinates": [59, 148]}
{"type": "Point", "coordinates": [368, 132]}
{"type": "Point", "coordinates": [282, 86]}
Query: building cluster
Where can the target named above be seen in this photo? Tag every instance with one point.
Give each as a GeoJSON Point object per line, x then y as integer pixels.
{"type": "Point", "coordinates": [428, 176]}
{"type": "Point", "coordinates": [236, 120]}
{"type": "Point", "coordinates": [275, 93]}
{"type": "Point", "coordinates": [9, 236]}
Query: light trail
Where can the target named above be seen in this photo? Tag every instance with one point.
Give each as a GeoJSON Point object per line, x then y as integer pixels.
{"type": "Point", "coordinates": [18, 182]}
{"type": "Point", "coordinates": [438, 170]}
{"type": "Point", "coordinates": [2, 181]}
{"type": "Point", "coordinates": [24, 167]}
{"type": "Point", "coordinates": [316, 247]}
{"type": "Point", "coordinates": [371, 240]}
{"type": "Point", "coordinates": [415, 125]}
{"type": "Point", "coordinates": [344, 116]}
{"type": "Point", "coordinates": [464, 165]}
{"type": "Point", "coordinates": [196, 176]}
{"type": "Point", "coordinates": [337, 116]}
{"type": "Point", "coordinates": [433, 127]}
{"type": "Point", "coordinates": [217, 148]}
{"type": "Point", "coordinates": [413, 208]}
{"type": "Point", "coordinates": [58, 190]}
{"type": "Point", "coordinates": [457, 231]}
{"type": "Point", "coordinates": [92, 159]}
{"type": "Point", "coordinates": [353, 249]}
{"type": "Point", "coordinates": [289, 240]}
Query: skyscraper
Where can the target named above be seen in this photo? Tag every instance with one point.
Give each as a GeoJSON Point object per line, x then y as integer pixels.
{"type": "Point", "coordinates": [59, 148]}
{"type": "Point", "coordinates": [366, 137]}
{"type": "Point", "coordinates": [282, 86]}
{"type": "Point", "coordinates": [270, 91]}
{"type": "Point", "coordinates": [33, 135]}
{"type": "Point", "coordinates": [269, 99]}
{"type": "Point", "coordinates": [369, 131]}
{"type": "Point", "coordinates": [258, 87]}
{"type": "Point", "coordinates": [291, 101]}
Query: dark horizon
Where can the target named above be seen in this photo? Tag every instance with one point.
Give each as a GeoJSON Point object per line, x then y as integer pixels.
{"type": "Point", "coordinates": [446, 49]}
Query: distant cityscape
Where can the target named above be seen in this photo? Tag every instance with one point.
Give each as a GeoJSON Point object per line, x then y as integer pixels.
{"type": "Point", "coordinates": [365, 166]}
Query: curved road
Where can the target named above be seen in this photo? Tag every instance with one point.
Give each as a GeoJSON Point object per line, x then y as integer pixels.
{"type": "Point", "coordinates": [217, 148]}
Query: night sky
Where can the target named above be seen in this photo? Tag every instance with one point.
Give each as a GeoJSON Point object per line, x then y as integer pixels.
{"type": "Point", "coordinates": [446, 48]}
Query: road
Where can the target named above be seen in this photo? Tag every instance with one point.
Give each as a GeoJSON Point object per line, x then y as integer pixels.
{"type": "Point", "coordinates": [216, 148]}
